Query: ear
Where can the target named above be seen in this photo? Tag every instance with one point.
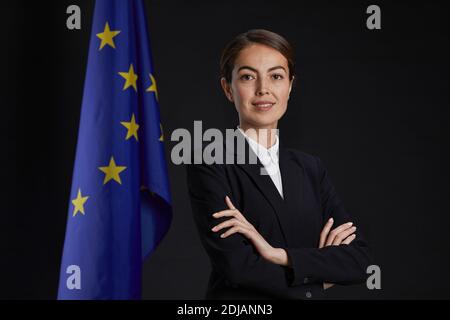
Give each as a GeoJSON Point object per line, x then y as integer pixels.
{"type": "Point", "coordinates": [226, 88]}
{"type": "Point", "coordinates": [292, 82]}
{"type": "Point", "coordinates": [290, 86]}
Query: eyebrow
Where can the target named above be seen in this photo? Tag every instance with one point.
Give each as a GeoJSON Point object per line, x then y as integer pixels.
{"type": "Point", "coordinates": [256, 71]}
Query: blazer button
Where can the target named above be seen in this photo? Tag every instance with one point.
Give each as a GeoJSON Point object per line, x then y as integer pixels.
{"type": "Point", "coordinates": [305, 280]}
{"type": "Point", "coordinates": [308, 294]}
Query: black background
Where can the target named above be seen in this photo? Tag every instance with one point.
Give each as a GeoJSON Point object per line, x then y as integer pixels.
{"type": "Point", "coordinates": [374, 105]}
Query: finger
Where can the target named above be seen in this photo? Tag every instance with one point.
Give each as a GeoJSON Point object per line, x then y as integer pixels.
{"type": "Point", "coordinates": [335, 232]}
{"type": "Point", "coordinates": [233, 230]}
{"type": "Point", "coordinates": [326, 229]}
{"type": "Point", "coordinates": [349, 239]}
{"type": "Point", "coordinates": [327, 285]}
{"type": "Point", "coordinates": [343, 235]}
{"type": "Point", "coordinates": [232, 207]}
{"type": "Point", "coordinates": [229, 203]}
{"type": "Point", "coordinates": [226, 213]}
{"type": "Point", "coordinates": [231, 213]}
{"type": "Point", "coordinates": [226, 224]}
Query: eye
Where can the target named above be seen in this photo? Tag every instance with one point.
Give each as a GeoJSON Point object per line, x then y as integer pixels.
{"type": "Point", "coordinates": [246, 77]}
{"type": "Point", "coordinates": [277, 76]}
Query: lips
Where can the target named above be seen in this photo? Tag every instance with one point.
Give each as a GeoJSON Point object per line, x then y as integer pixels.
{"type": "Point", "coordinates": [263, 105]}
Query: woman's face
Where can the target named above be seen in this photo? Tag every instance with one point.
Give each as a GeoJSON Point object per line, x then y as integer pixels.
{"type": "Point", "coordinates": [260, 87]}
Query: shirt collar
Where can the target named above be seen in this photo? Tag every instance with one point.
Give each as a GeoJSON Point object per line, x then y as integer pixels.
{"type": "Point", "coordinates": [260, 150]}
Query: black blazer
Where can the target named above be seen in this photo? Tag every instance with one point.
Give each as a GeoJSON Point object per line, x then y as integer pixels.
{"type": "Point", "coordinates": [293, 223]}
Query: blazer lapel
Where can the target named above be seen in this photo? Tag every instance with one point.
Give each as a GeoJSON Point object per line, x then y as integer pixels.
{"type": "Point", "coordinates": [292, 179]}
{"type": "Point", "coordinates": [265, 184]}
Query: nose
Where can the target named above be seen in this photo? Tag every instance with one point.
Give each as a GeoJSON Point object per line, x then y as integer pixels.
{"type": "Point", "coordinates": [262, 87]}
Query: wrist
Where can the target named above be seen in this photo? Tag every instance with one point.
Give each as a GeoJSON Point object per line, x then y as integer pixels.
{"type": "Point", "coordinates": [280, 257]}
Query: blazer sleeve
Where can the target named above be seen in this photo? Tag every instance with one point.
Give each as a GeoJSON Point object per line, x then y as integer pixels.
{"type": "Point", "coordinates": [343, 264]}
{"type": "Point", "coordinates": [234, 256]}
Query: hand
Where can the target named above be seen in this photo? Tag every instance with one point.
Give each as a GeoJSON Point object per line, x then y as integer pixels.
{"type": "Point", "coordinates": [344, 234]}
{"type": "Point", "coordinates": [238, 223]}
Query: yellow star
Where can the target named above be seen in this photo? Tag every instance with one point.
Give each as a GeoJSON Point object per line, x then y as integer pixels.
{"type": "Point", "coordinates": [131, 78]}
{"type": "Point", "coordinates": [152, 87]}
{"type": "Point", "coordinates": [161, 137]}
{"type": "Point", "coordinates": [132, 127]}
{"type": "Point", "coordinates": [112, 171]}
{"type": "Point", "coordinates": [107, 37]}
{"type": "Point", "coordinates": [78, 203]}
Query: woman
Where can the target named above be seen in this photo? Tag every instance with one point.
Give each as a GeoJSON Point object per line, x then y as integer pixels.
{"type": "Point", "coordinates": [281, 232]}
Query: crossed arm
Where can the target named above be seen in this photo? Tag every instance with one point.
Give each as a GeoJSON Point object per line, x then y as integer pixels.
{"type": "Point", "coordinates": [340, 257]}
{"type": "Point", "coordinates": [341, 235]}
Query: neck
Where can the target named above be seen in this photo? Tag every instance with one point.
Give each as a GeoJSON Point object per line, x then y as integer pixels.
{"type": "Point", "coordinates": [264, 135]}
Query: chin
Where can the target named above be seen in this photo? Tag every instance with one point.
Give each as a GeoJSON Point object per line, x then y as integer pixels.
{"type": "Point", "coordinates": [258, 121]}
{"type": "Point", "coordinates": [264, 120]}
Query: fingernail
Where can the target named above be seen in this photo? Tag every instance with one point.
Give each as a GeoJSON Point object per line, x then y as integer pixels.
{"type": "Point", "coordinates": [222, 235]}
{"type": "Point", "coordinates": [354, 228]}
{"type": "Point", "coordinates": [330, 220]}
{"type": "Point", "coordinates": [213, 228]}
{"type": "Point", "coordinates": [350, 223]}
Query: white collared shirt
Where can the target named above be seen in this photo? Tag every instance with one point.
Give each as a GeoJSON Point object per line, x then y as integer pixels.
{"type": "Point", "coordinates": [269, 159]}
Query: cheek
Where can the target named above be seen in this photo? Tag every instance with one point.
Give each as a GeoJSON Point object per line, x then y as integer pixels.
{"type": "Point", "coordinates": [283, 94]}
{"type": "Point", "coordinates": [243, 94]}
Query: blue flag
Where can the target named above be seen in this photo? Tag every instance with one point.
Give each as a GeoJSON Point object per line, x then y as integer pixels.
{"type": "Point", "coordinates": [120, 204]}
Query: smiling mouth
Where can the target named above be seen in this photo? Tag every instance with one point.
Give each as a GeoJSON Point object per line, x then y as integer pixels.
{"type": "Point", "coordinates": [263, 106]}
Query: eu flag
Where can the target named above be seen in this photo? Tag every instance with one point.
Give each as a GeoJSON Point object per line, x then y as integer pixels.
{"type": "Point", "coordinates": [120, 204]}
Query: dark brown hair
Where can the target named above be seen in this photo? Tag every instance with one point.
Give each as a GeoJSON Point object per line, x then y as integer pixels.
{"type": "Point", "coordinates": [261, 36]}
